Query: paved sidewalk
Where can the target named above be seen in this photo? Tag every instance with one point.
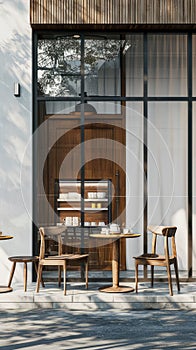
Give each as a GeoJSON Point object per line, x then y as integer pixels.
{"type": "Point", "coordinates": [60, 329]}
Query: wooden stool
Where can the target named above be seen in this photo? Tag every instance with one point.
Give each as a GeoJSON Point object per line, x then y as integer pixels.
{"type": "Point", "coordinates": [25, 260]}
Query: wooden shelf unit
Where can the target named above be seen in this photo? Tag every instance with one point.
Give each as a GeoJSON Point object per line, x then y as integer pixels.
{"type": "Point", "coordinates": [68, 202]}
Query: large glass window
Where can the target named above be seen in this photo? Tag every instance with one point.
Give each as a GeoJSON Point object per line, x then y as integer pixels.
{"type": "Point", "coordinates": [122, 102]}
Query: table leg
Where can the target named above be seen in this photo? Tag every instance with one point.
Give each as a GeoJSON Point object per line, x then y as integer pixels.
{"type": "Point", "coordinates": [5, 289]}
{"type": "Point", "coordinates": [115, 272]}
{"type": "Point", "coordinates": [115, 263]}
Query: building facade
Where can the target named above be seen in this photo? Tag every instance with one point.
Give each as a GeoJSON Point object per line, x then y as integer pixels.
{"type": "Point", "coordinates": [108, 92]}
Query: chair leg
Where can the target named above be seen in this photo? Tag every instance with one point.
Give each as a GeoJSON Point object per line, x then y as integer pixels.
{"type": "Point", "coordinates": [169, 279]}
{"type": "Point", "coordinates": [59, 276]}
{"type": "Point", "coordinates": [177, 276]}
{"type": "Point", "coordinates": [152, 276]}
{"type": "Point", "coordinates": [42, 281]}
{"type": "Point", "coordinates": [25, 276]}
{"type": "Point", "coordinates": [12, 273]}
{"type": "Point", "coordinates": [136, 276]}
{"type": "Point", "coordinates": [86, 273]}
{"type": "Point", "coordinates": [64, 277]}
{"type": "Point", "coordinates": [39, 276]}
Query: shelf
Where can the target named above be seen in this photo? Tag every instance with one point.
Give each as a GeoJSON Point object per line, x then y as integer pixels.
{"type": "Point", "coordinates": [85, 200]}
{"type": "Point", "coordinates": [87, 209]}
{"type": "Point", "coordinates": [96, 200]}
{"type": "Point", "coordinates": [88, 183]}
{"type": "Point", "coordinates": [95, 209]}
{"type": "Point", "coordinates": [68, 200]}
{"type": "Point", "coordinates": [96, 184]}
{"type": "Point", "coordinates": [65, 183]}
{"type": "Point", "coordinates": [68, 209]}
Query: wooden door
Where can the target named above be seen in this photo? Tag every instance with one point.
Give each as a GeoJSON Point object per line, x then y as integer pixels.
{"type": "Point", "coordinates": [102, 153]}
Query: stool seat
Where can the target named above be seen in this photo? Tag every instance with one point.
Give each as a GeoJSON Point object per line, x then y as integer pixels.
{"type": "Point", "coordinates": [25, 259]}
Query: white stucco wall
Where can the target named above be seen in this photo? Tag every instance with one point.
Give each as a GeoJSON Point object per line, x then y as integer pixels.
{"type": "Point", "coordinates": [15, 134]}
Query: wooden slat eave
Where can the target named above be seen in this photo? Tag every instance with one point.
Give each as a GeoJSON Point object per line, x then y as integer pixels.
{"type": "Point", "coordinates": [117, 28]}
{"type": "Point", "coordinates": [115, 12]}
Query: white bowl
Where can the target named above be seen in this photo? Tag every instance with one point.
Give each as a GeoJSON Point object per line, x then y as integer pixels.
{"type": "Point", "coordinates": [101, 223]}
{"type": "Point", "coordinates": [92, 195]}
{"type": "Point", "coordinates": [74, 195]}
{"type": "Point", "coordinates": [101, 194]}
{"type": "Point", "coordinates": [63, 195]}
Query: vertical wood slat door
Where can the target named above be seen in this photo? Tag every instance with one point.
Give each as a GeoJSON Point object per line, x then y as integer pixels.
{"type": "Point", "coordinates": [61, 165]}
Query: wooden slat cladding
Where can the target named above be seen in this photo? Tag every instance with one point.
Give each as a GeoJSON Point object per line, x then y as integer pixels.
{"type": "Point", "coordinates": [113, 12]}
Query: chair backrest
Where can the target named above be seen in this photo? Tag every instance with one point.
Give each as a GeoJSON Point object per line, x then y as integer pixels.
{"type": "Point", "coordinates": [168, 231]}
{"type": "Point", "coordinates": [56, 232]}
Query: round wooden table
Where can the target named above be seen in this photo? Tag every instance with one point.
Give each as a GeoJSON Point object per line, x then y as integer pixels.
{"type": "Point", "coordinates": [115, 240]}
{"type": "Point", "coordinates": [5, 289]}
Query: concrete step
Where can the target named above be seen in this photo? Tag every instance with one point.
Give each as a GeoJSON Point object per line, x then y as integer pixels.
{"type": "Point", "coordinates": [78, 298]}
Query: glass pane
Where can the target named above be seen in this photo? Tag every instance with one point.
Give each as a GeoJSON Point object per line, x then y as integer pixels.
{"type": "Point", "coordinates": [167, 65]}
{"type": "Point", "coordinates": [105, 157]}
{"type": "Point", "coordinates": [104, 107]}
{"type": "Point", "coordinates": [59, 107]}
{"type": "Point", "coordinates": [73, 108]}
{"type": "Point", "coordinates": [102, 66]}
{"type": "Point", "coordinates": [68, 201]}
{"type": "Point", "coordinates": [134, 176]}
{"type": "Point", "coordinates": [97, 203]}
{"type": "Point", "coordinates": [194, 183]}
{"type": "Point", "coordinates": [134, 65]}
{"type": "Point", "coordinates": [194, 65]}
{"type": "Point", "coordinates": [134, 164]}
{"type": "Point", "coordinates": [167, 169]}
{"type": "Point", "coordinates": [52, 83]}
{"type": "Point", "coordinates": [59, 64]}
{"type": "Point", "coordinates": [58, 153]}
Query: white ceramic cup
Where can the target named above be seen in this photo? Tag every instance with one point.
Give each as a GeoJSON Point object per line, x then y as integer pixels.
{"type": "Point", "coordinates": [86, 223]}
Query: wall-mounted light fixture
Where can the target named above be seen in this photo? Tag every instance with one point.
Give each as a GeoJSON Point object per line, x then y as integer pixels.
{"type": "Point", "coordinates": [76, 36]}
{"type": "Point", "coordinates": [16, 89]}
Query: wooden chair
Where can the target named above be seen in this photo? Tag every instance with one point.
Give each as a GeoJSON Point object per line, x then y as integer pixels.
{"type": "Point", "coordinates": [60, 260]}
{"type": "Point", "coordinates": [153, 259]}
{"type": "Point", "coordinates": [25, 260]}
